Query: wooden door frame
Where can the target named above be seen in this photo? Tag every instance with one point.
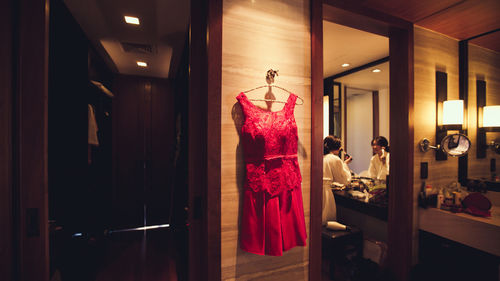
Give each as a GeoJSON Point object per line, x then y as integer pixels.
{"type": "Point", "coordinates": [204, 140]}
{"type": "Point", "coordinates": [29, 134]}
{"type": "Point", "coordinates": [6, 110]}
{"type": "Point", "coordinates": [400, 33]}
{"type": "Point", "coordinates": [29, 140]}
{"type": "Point", "coordinates": [317, 89]}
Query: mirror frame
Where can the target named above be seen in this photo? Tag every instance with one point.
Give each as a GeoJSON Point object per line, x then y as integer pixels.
{"type": "Point", "coordinates": [463, 93]}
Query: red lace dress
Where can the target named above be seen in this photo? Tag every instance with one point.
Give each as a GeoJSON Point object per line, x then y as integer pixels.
{"type": "Point", "coordinates": [273, 214]}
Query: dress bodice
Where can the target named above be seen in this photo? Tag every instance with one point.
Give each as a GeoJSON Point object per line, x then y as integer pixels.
{"type": "Point", "coordinates": [269, 142]}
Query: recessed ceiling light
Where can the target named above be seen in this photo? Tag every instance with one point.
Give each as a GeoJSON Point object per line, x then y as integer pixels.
{"type": "Point", "coordinates": [345, 65]}
{"type": "Point", "coordinates": [376, 70]}
{"type": "Point", "coordinates": [132, 20]}
{"type": "Point", "coordinates": [142, 64]}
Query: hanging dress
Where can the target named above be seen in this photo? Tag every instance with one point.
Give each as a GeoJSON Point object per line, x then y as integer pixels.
{"type": "Point", "coordinates": [273, 214]}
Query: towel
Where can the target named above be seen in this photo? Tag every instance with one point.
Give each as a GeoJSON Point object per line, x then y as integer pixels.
{"type": "Point", "coordinates": [92, 136]}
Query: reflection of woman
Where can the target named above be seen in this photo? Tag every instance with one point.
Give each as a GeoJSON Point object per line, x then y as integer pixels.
{"type": "Point", "coordinates": [379, 164]}
{"type": "Point", "coordinates": [334, 170]}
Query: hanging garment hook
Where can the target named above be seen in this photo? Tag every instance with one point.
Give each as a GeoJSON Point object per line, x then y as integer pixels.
{"type": "Point", "coordinates": [270, 76]}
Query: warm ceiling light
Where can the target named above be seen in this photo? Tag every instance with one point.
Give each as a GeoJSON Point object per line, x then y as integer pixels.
{"type": "Point", "coordinates": [142, 64]}
{"type": "Point", "coordinates": [453, 112]}
{"type": "Point", "coordinates": [376, 70]}
{"type": "Point", "coordinates": [132, 20]}
{"type": "Point", "coordinates": [345, 65]}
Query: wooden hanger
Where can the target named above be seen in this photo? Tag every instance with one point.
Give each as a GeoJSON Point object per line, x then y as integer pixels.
{"type": "Point", "coordinates": [270, 80]}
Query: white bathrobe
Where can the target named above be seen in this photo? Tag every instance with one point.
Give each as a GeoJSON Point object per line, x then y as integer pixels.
{"type": "Point", "coordinates": [379, 170]}
{"type": "Point", "coordinates": [334, 170]}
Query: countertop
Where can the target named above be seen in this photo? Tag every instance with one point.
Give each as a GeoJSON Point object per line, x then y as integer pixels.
{"type": "Point", "coordinates": [379, 211]}
{"type": "Point", "coordinates": [477, 232]}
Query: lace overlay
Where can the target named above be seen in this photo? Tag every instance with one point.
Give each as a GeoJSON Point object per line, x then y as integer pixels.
{"type": "Point", "coordinates": [269, 142]}
{"type": "Point", "coordinates": [273, 213]}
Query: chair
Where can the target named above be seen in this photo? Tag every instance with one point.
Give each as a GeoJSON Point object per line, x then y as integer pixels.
{"type": "Point", "coordinates": [337, 246]}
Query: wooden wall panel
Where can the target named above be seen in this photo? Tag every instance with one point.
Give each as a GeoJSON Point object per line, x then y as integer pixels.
{"type": "Point", "coordinates": [483, 65]}
{"type": "Point", "coordinates": [30, 134]}
{"type": "Point", "coordinates": [143, 149]}
{"type": "Point", "coordinates": [128, 150]}
{"type": "Point", "coordinates": [433, 52]}
{"type": "Point", "coordinates": [256, 37]}
{"type": "Point", "coordinates": [162, 147]}
{"type": "Point", "coordinates": [5, 141]}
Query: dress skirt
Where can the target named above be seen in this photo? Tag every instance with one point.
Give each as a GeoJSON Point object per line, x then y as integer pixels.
{"type": "Point", "coordinates": [272, 224]}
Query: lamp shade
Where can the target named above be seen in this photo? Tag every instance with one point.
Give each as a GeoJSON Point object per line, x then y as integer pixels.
{"type": "Point", "coordinates": [491, 116]}
{"type": "Point", "coordinates": [453, 112]}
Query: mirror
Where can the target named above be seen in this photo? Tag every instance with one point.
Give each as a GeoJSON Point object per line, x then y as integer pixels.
{"type": "Point", "coordinates": [455, 145]}
{"type": "Point", "coordinates": [482, 61]}
{"type": "Point", "coordinates": [356, 109]}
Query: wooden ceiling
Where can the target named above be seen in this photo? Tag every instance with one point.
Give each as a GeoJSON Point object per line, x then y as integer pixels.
{"type": "Point", "coordinates": [459, 19]}
{"type": "Point", "coordinates": [490, 41]}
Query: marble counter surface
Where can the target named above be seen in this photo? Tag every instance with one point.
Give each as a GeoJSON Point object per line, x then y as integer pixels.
{"type": "Point", "coordinates": [377, 210]}
{"type": "Point", "coordinates": [477, 232]}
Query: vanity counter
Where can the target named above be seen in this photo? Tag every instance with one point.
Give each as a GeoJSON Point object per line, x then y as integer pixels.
{"type": "Point", "coordinates": [376, 210]}
{"type": "Point", "coordinates": [477, 232]}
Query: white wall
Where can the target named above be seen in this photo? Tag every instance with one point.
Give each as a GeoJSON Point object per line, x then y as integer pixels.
{"type": "Point", "coordinates": [384, 115]}
{"type": "Point", "coordinates": [359, 128]}
{"type": "Point", "coordinates": [326, 116]}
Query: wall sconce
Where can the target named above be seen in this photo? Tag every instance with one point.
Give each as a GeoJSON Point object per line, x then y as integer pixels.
{"type": "Point", "coordinates": [453, 114]}
{"type": "Point", "coordinates": [488, 120]}
{"type": "Point", "coordinates": [449, 113]}
{"type": "Point", "coordinates": [491, 118]}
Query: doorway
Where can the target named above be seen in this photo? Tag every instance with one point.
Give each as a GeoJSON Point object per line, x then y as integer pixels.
{"type": "Point", "coordinates": [400, 33]}
{"type": "Point", "coordinates": [117, 161]}
{"type": "Point", "coordinates": [356, 73]}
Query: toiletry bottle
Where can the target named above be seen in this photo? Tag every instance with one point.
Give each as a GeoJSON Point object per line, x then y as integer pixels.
{"type": "Point", "coordinates": [457, 198]}
{"type": "Point", "coordinates": [440, 199]}
{"type": "Point", "coordinates": [428, 190]}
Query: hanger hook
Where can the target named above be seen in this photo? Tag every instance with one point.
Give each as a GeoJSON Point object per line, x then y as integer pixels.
{"type": "Point", "coordinates": [270, 76]}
